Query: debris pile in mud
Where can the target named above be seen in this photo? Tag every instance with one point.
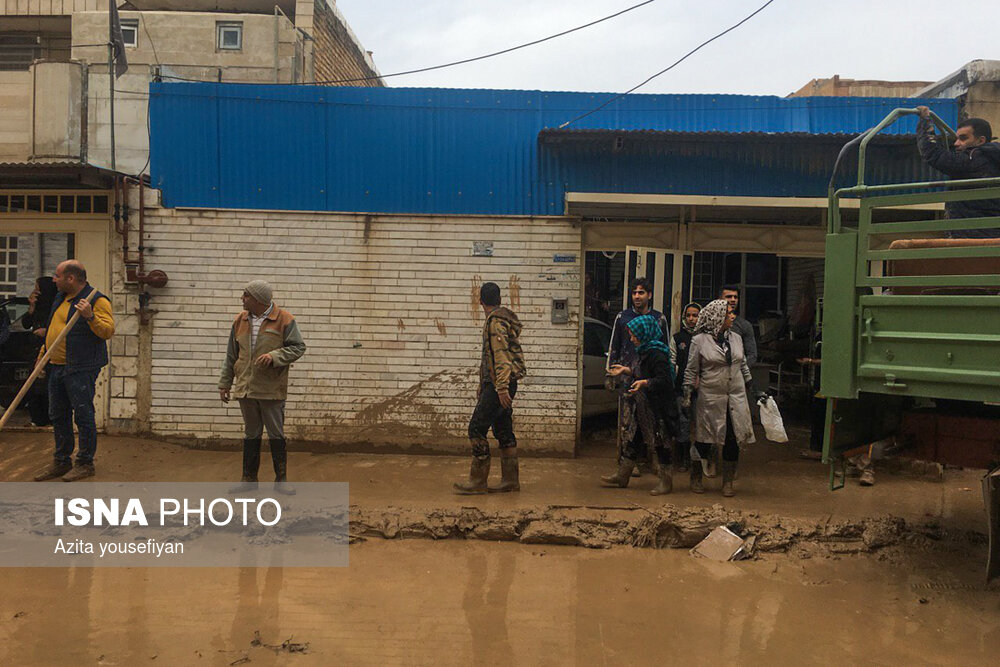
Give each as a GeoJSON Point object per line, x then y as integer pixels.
{"type": "Point", "coordinates": [663, 527]}
{"type": "Point", "coordinates": [287, 646]}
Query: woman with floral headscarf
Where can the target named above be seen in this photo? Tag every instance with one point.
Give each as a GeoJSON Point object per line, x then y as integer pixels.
{"type": "Point", "coordinates": [656, 403]}
{"type": "Point", "coordinates": [717, 363]}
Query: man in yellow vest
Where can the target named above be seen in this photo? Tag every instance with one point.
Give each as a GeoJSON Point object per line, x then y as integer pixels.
{"type": "Point", "coordinates": [73, 368]}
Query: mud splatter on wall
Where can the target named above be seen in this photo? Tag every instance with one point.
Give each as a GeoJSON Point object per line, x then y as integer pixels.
{"type": "Point", "coordinates": [417, 411]}
{"type": "Point", "coordinates": [477, 282]}
{"type": "Point", "coordinates": [417, 269]}
{"type": "Point", "coordinates": [514, 291]}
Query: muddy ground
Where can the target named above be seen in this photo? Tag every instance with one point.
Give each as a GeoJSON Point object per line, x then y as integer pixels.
{"type": "Point", "coordinates": [474, 602]}
{"type": "Point", "coordinates": [879, 575]}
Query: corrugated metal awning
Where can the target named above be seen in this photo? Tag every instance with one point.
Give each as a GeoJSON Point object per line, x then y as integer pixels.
{"type": "Point", "coordinates": [55, 174]}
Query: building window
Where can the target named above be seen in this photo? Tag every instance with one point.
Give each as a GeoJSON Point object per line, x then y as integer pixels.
{"type": "Point", "coordinates": [130, 32]}
{"type": "Point", "coordinates": [48, 204]}
{"type": "Point", "coordinates": [229, 35]}
{"type": "Point", "coordinates": [704, 277]}
{"type": "Point", "coordinates": [8, 266]}
{"type": "Point", "coordinates": [18, 51]}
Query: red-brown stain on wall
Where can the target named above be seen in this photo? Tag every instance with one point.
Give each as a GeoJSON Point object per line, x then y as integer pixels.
{"type": "Point", "coordinates": [477, 283]}
{"type": "Point", "coordinates": [514, 291]}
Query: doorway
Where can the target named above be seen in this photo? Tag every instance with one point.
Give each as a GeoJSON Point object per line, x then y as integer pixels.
{"type": "Point", "coordinates": [44, 238]}
{"type": "Point", "coordinates": [607, 276]}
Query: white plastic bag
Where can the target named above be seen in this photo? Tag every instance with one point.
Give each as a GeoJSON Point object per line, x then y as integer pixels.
{"type": "Point", "coordinates": [770, 418]}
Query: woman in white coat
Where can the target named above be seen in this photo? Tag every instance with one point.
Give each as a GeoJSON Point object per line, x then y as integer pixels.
{"type": "Point", "coordinates": [722, 414]}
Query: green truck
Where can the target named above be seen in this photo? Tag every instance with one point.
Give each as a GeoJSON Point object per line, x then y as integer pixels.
{"type": "Point", "coordinates": [907, 314]}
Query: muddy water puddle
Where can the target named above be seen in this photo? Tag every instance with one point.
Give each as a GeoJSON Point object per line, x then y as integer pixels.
{"type": "Point", "coordinates": [455, 602]}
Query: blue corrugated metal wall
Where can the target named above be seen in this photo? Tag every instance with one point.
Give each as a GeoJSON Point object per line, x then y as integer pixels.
{"type": "Point", "coordinates": [412, 150]}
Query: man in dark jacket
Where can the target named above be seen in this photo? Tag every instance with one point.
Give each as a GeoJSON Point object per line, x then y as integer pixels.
{"type": "Point", "coordinates": [73, 368]}
{"type": "Point", "coordinates": [501, 365]}
{"type": "Point", "coordinates": [741, 325]}
{"type": "Point", "coordinates": [974, 156]}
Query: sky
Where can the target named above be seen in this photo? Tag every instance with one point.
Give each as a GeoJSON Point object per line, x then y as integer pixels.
{"type": "Point", "coordinates": [777, 52]}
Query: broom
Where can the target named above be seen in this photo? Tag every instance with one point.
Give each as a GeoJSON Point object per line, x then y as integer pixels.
{"type": "Point", "coordinates": [41, 365]}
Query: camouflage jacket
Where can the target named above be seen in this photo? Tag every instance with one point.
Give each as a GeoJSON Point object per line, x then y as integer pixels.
{"type": "Point", "coordinates": [502, 358]}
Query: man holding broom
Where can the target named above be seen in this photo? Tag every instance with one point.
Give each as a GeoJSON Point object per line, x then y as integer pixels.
{"type": "Point", "coordinates": [75, 361]}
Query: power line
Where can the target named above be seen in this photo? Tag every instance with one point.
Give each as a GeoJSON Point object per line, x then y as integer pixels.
{"type": "Point", "coordinates": [142, 19]}
{"type": "Point", "coordinates": [149, 133]}
{"type": "Point", "coordinates": [675, 64]}
{"type": "Point", "coordinates": [466, 60]}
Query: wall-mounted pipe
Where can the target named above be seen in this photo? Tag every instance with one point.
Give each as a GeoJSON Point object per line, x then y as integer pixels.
{"type": "Point", "coordinates": [135, 267]}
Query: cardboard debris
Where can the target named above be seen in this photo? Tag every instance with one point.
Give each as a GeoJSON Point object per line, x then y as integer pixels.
{"type": "Point", "coordinates": [722, 545]}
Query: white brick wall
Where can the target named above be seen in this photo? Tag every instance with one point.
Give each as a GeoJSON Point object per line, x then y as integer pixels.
{"type": "Point", "coordinates": [404, 290]}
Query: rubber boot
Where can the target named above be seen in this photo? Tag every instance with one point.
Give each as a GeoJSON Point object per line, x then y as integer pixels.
{"type": "Point", "coordinates": [479, 472]}
{"type": "Point", "coordinates": [509, 480]}
{"type": "Point", "coordinates": [710, 465]}
{"type": "Point", "coordinates": [279, 457]}
{"type": "Point", "coordinates": [624, 474]}
{"type": "Point", "coordinates": [728, 475]}
{"type": "Point", "coordinates": [666, 484]}
{"type": "Point", "coordinates": [696, 483]}
{"type": "Point", "coordinates": [251, 465]}
{"type": "Point", "coordinates": [682, 456]}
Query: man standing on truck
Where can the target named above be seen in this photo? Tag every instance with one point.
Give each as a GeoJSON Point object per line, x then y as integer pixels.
{"type": "Point", "coordinates": [975, 155]}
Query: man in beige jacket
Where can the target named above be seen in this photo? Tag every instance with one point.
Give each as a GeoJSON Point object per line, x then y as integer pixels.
{"type": "Point", "coordinates": [263, 343]}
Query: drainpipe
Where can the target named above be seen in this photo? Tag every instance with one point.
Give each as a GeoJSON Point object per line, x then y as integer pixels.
{"type": "Point", "coordinates": [135, 267]}
{"type": "Point", "coordinates": [276, 19]}
{"type": "Point", "coordinates": [84, 111]}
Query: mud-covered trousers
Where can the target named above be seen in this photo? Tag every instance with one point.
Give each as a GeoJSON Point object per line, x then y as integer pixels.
{"type": "Point", "coordinates": [730, 451]}
{"type": "Point", "coordinates": [489, 414]}
{"type": "Point", "coordinates": [647, 433]}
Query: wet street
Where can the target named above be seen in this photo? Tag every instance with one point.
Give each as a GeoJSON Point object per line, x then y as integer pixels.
{"type": "Point", "coordinates": [453, 603]}
{"type": "Point", "coordinates": [817, 594]}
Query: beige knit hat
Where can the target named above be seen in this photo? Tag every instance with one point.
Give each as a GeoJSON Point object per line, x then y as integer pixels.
{"type": "Point", "coordinates": [260, 290]}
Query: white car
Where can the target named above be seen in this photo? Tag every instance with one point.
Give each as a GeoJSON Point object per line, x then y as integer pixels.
{"type": "Point", "coordinates": [597, 400]}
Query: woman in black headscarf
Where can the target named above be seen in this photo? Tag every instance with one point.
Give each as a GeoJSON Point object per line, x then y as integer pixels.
{"type": "Point", "coordinates": [39, 304]}
{"type": "Point", "coordinates": [37, 319]}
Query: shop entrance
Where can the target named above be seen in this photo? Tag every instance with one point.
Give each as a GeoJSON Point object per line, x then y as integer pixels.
{"type": "Point", "coordinates": [38, 230]}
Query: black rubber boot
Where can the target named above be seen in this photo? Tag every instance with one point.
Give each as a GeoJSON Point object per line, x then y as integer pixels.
{"type": "Point", "coordinates": [251, 464]}
{"type": "Point", "coordinates": [728, 475]}
{"type": "Point", "coordinates": [624, 474]}
{"type": "Point", "coordinates": [682, 456]}
{"type": "Point", "coordinates": [509, 480]}
{"type": "Point", "coordinates": [666, 484]}
{"type": "Point", "coordinates": [696, 483]}
{"type": "Point", "coordinates": [479, 472]}
{"type": "Point", "coordinates": [279, 457]}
